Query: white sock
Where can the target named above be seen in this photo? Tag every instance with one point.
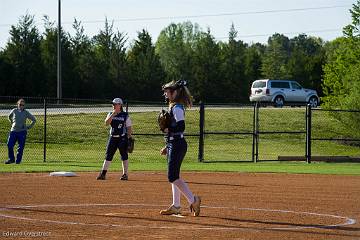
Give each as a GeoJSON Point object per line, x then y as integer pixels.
{"type": "Point", "coordinates": [184, 188]}
{"type": "Point", "coordinates": [176, 195]}
{"type": "Point", "coordinates": [106, 165]}
{"type": "Point", "coordinates": [125, 166]}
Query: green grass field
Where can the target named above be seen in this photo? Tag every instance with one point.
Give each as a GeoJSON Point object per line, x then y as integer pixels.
{"type": "Point", "coordinates": [76, 143]}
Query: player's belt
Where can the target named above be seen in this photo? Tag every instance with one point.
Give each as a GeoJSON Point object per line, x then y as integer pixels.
{"type": "Point", "coordinates": [116, 136]}
{"type": "Point", "coordinates": [176, 137]}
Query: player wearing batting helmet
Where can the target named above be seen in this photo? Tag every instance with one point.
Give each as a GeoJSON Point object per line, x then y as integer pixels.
{"type": "Point", "coordinates": [179, 98]}
{"type": "Point", "coordinates": [120, 132]}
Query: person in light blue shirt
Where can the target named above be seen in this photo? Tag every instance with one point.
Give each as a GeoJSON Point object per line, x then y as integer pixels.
{"type": "Point", "coordinates": [18, 132]}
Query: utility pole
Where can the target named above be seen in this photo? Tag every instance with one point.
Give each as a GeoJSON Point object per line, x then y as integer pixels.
{"type": "Point", "coordinates": [59, 87]}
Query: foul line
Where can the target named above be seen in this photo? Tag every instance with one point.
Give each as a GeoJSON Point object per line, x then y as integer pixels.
{"type": "Point", "coordinates": [348, 221]}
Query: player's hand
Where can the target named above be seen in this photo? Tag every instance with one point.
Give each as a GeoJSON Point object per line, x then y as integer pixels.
{"type": "Point", "coordinates": [163, 151]}
{"type": "Point", "coordinates": [115, 112]}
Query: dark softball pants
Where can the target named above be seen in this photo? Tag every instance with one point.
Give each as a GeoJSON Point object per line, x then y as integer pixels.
{"type": "Point", "coordinates": [115, 143]}
{"type": "Point", "coordinates": [177, 149]}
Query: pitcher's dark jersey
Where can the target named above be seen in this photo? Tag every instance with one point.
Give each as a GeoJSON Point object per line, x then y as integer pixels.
{"type": "Point", "coordinates": [177, 125]}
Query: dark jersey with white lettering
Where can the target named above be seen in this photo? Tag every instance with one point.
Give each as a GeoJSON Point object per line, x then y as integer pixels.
{"type": "Point", "coordinates": [118, 124]}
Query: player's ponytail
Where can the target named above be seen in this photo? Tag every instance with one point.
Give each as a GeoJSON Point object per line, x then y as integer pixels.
{"type": "Point", "coordinates": [183, 95]}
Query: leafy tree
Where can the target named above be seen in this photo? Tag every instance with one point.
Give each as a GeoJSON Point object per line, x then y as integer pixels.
{"type": "Point", "coordinates": [145, 70]}
{"type": "Point", "coordinates": [49, 58]}
{"type": "Point", "coordinates": [174, 47]}
{"type": "Point", "coordinates": [109, 74]}
{"type": "Point", "coordinates": [306, 60]}
{"type": "Point", "coordinates": [103, 47]}
{"type": "Point", "coordinates": [22, 52]}
{"type": "Point", "coordinates": [233, 83]}
{"type": "Point", "coordinates": [253, 62]}
{"type": "Point", "coordinates": [353, 30]}
{"type": "Point", "coordinates": [276, 57]}
{"type": "Point", "coordinates": [206, 69]}
{"type": "Point", "coordinates": [118, 67]}
{"type": "Point", "coordinates": [84, 62]}
{"type": "Point", "coordinates": [341, 69]}
{"type": "Point", "coordinates": [341, 81]}
{"type": "Point", "coordinates": [6, 75]}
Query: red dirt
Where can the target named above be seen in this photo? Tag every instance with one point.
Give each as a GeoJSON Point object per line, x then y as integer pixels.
{"type": "Point", "coordinates": [236, 206]}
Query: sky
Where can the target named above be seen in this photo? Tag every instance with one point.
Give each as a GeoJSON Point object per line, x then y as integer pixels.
{"type": "Point", "coordinates": [254, 20]}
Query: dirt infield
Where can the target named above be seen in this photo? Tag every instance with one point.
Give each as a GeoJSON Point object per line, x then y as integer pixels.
{"type": "Point", "coordinates": [235, 206]}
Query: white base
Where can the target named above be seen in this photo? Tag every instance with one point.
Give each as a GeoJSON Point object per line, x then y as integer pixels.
{"type": "Point", "coordinates": [63, 174]}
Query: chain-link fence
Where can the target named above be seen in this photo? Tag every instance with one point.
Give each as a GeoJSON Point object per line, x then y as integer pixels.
{"type": "Point", "coordinates": [69, 130]}
{"type": "Point", "coordinates": [254, 133]}
{"type": "Point", "coordinates": [228, 133]}
{"type": "Point", "coordinates": [281, 133]}
{"type": "Point", "coordinates": [72, 131]}
{"type": "Point", "coordinates": [335, 134]}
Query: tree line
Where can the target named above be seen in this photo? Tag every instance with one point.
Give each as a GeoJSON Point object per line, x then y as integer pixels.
{"type": "Point", "coordinates": [108, 65]}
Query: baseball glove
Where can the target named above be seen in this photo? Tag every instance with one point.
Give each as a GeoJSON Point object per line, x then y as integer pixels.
{"type": "Point", "coordinates": [131, 142]}
{"type": "Point", "coordinates": [164, 120]}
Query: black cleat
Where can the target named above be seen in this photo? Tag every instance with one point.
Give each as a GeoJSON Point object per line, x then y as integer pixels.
{"type": "Point", "coordinates": [124, 177]}
{"type": "Point", "coordinates": [9, 161]}
{"type": "Point", "coordinates": [101, 177]}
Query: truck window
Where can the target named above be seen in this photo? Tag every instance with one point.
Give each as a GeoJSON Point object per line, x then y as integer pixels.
{"type": "Point", "coordinates": [295, 85]}
{"type": "Point", "coordinates": [280, 85]}
{"type": "Point", "coordinates": [259, 84]}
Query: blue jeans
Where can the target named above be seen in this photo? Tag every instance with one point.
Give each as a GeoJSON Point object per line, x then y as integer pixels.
{"type": "Point", "coordinates": [20, 137]}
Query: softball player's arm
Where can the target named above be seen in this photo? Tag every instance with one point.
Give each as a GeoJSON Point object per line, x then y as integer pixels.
{"type": "Point", "coordinates": [128, 125]}
{"type": "Point", "coordinates": [109, 118]}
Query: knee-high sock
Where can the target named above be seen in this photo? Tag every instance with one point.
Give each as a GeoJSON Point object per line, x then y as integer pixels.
{"type": "Point", "coordinates": [176, 195]}
{"type": "Point", "coordinates": [106, 165]}
{"type": "Point", "coordinates": [184, 188]}
{"type": "Point", "coordinates": [125, 166]}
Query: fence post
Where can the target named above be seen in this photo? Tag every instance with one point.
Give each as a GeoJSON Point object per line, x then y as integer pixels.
{"type": "Point", "coordinates": [201, 132]}
{"type": "Point", "coordinates": [255, 145]}
{"type": "Point", "coordinates": [308, 134]}
{"type": "Point", "coordinates": [45, 109]}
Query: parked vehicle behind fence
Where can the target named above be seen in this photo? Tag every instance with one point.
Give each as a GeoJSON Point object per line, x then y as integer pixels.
{"type": "Point", "coordinates": [281, 91]}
